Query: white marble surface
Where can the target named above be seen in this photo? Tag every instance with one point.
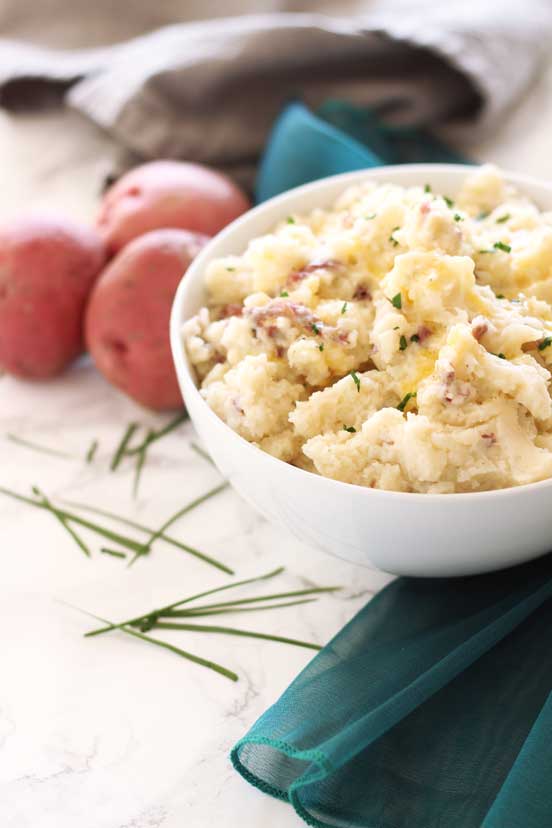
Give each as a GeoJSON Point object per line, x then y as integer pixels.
{"type": "Point", "coordinates": [111, 732]}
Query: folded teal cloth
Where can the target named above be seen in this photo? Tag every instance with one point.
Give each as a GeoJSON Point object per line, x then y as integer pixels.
{"type": "Point", "coordinates": [432, 708]}
{"type": "Point", "coordinates": [339, 138]}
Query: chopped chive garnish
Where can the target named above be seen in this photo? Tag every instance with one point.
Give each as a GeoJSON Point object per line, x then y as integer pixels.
{"type": "Point", "coordinates": [321, 347]}
{"type": "Point", "coordinates": [350, 429]}
{"type": "Point", "coordinates": [290, 220]}
{"type": "Point", "coordinates": [356, 380]}
{"type": "Point", "coordinates": [482, 215]}
{"type": "Point", "coordinates": [500, 296]}
{"type": "Point", "coordinates": [414, 338]}
{"type": "Point", "coordinates": [230, 269]}
{"type": "Point", "coordinates": [396, 301]}
{"type": "Point", "coordinates": [402, 343]}
{"type": "Point", "coordinates": [405, 400]}
{"type": "Point", "coordinates": [427, 188]}
{"type": "Point", "coordinates": [396, 328]}
{"type": "Point", "coordinates": [501, 355]}
{"type": "Point", "coordinates": [448, 201]}
{"type": "Point", "coordinates": [370, 217]}
{"type": "Point", "coordinates": [545, 343]}
{"type": "Point", "coordinates": [284, 293]}
{"type": "Point", "coordinates": [503, 218]}
{"type": "Point", "coordinates": [315, 328]}
{"type": "Point", "coordinates": [501, 246]}
{"type": "Point", "coordinates": [392, 238]}
{"type": "Point", "coordinates": [91, 453]}
{"type": "Point", "coordinates": [486, 251]}
{"type": "Point", "coordinates": [458, 217]}
{"type": "Point", "coordinates": [344, 307]}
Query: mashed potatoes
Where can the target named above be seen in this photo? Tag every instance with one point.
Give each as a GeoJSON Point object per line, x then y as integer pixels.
{"type": "Point", "coordinates": [399, 340]}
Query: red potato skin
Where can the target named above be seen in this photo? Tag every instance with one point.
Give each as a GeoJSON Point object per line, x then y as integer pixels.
{"type": "Point", "coordinates": [168, 194]}
{"type": "Point", "coordinates": [48, 266]}
{"type": "Point", "coordinates": [127, 318]}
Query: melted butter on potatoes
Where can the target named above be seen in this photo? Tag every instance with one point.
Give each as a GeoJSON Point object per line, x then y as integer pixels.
{"type": "Point", "coordinates": [398, 340]}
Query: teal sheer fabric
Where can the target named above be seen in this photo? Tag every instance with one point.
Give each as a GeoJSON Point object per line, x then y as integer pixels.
{"type": "Point", "coordinates": [340, 137]}
{"type": "Point", "coordinates": [430, 709]}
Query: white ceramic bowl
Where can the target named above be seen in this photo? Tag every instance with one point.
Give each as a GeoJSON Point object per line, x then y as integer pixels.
{"type": "Point", "coordinates": [408, 534]}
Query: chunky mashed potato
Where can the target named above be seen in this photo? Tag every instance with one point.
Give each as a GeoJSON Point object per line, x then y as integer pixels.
{"type": "Point", "coordinates": [399, 340]}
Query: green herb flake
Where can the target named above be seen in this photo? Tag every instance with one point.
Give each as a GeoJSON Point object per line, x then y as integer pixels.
{"type": "Point", "coordinates": [370, 217]}
{"type": "Point", "coordinates": [486, 251]}
{"type": "Point", "coordinates": [321, 347]}
{"type": "Point", "coordinates": [500, 296]}
{"type": "Point", "coordinates": [406, 399]}
{"type": "Point", "coordinates": [427, 188]}
{"type": "Point", "coordinates": [458, 217]}
{"type": "Point", "coordinates": [290, 220]}
{"type": "Point", "coordinates": [392, 238]}
{"type": "Point", "coordinates": [414, 338]}
{"type": "Point", "coordinates": [350, 429]}
{"type": "Point", "coordinates": [501, 246]}
{"type": "Point", "coordinates": [448, 201]}
{"type": "Point", "coordinates": [503, 218]}
{"type": "Point", "coordinates": [344, 308]}
{"type": "Point", "coordinates": [284, 294]}
{"type": "Point", "coordinates": [501, 355]}
{"type": "Point", "coordinates": [356, 380]}
{"type": "Point", "coordinates": [230, 269]}
{"type": "Point", "coordinates": [396, 301]}
{"type": "Point", "coordinates": [545, 343]}
{"type": "Point", "coordinates": [402, 343]}
{"type": "Point", "coordinates": [315, 329]}
{"type": "Point", "coordinates": [482, 215]}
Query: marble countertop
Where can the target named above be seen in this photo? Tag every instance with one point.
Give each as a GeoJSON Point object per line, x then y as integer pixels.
{"type": "Point", "coordinates": [112, 732]}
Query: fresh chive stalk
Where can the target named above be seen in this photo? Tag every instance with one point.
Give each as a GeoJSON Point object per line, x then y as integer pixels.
{"type": "Point", "coordinates": [156, 612]}
{"type": "Point", "coordinates": [62, 519]}
{"type": "Point", "coordinates": [92, 449]}
{"type": "Point", "coordinates": [203, 662]}
{"type": "Point", "coordinates": [122, 447]}
{"type": "Point", "coordinates": [20, 441]}
{"type": "Point", "coordinates": [208, 628]}
{"type": "Point", "coordinates": [149, 531]}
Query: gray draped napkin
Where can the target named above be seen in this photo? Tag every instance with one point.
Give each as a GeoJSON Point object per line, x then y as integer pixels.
{"type": "Point", "coordinates": [209, 91]}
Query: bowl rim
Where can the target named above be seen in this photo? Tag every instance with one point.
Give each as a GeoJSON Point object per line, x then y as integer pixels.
{"type": "Point", "coordinates": [197, 267]}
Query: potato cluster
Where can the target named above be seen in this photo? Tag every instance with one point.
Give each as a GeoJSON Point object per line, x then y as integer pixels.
{"type": "Point", "coordinates": [64, 287]}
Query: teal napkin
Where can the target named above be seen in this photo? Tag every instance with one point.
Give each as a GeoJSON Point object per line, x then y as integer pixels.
{"type": "Point", "coordinates": [430, 709]}
{"type": "Point", "coordinates": [340, 137]}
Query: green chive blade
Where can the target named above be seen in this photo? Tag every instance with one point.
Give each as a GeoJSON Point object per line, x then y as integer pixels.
{"type": "Point", "coordinates": [121, 449]}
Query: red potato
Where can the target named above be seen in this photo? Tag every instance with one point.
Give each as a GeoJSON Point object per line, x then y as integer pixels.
{"type": "Point", "coordinates": [127, 319]}
{"type": "Point", "coordinates": [168, 194]}
{"type": "Point", "coordinates": [47, 268]}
